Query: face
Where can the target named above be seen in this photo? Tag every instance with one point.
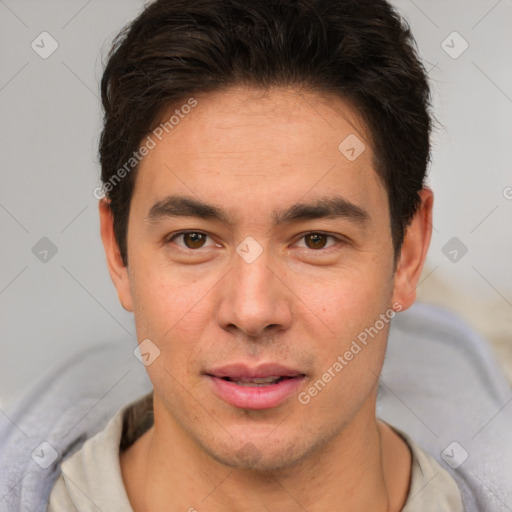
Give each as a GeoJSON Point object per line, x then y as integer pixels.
{"type": "Point", "coordinates": [258, 248]}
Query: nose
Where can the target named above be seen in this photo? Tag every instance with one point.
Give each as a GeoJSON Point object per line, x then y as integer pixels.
{"type": "Point", "coordinates": [255, 299]}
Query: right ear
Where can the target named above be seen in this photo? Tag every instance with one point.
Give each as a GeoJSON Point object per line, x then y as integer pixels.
{"type": "Point", "coordinates": [118, 271]}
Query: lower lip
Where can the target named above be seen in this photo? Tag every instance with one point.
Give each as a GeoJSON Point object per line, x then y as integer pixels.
{"type": "Point", "coordinates": [255, 397]}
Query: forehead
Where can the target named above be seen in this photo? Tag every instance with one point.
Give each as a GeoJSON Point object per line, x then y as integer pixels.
{"type": "Point", "coordinates": [272, 121]}
{"type": "Point", "coordinates": [252, 143]}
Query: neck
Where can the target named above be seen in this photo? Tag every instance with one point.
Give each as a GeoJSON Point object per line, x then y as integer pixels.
{"type": "Point", "coordinates": [366, 466]}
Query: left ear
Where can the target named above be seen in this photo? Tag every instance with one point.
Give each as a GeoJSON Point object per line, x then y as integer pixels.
{"type": "Point", "coordinates": [414, 251]}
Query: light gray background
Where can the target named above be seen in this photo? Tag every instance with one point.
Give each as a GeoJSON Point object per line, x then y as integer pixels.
{"type": "Point", "coordinates": [50, 114]}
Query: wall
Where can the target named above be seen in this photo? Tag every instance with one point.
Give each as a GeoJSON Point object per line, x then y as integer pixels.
{"type": "Point", "coordinates": [55, 293]}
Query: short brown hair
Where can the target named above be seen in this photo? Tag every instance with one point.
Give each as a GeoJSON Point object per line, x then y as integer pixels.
{"type": "Point", "coordinates": [360, 50]}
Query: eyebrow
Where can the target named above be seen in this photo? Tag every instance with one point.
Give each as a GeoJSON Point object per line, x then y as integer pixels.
{"type": "Point", "coordinates": [331, 207]}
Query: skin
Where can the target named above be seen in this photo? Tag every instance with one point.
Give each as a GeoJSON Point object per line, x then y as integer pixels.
{"type": "Point", "coordinates": [299, 304]}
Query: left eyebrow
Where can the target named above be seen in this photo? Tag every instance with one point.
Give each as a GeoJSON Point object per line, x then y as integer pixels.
{"type": "Point", "coordinates": [325, 207]}
{"type": "Point", "coordinates": [331, 207]}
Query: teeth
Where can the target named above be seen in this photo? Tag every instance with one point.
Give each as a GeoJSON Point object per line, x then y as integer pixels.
{"type": "Point", "coordinates": [253, 384]}
{"type": "Point", "coordinates": [256, 381]}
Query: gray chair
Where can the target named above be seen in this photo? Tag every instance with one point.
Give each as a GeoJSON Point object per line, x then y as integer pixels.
{"type": "Point", "coordinates": [440, 384]}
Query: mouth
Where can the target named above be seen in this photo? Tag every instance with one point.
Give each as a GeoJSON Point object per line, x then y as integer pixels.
{"type": "Point", "coordinates": [264, 387]}
{"type": "Point", "coordinates": [260, 382]}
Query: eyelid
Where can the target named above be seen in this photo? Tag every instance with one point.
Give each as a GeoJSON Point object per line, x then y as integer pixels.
{"type": "Point", "coordinates": [339, 240]}
{"type": "Point", "coordinates": [171, 237]}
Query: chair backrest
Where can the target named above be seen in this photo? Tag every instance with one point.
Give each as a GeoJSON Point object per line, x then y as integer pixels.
{"type": "Point", "coordinates": [440, 384]}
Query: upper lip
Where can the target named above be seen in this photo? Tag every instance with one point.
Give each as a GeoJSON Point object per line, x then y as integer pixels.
{"type": "Point", "coordinates": [245, 371]}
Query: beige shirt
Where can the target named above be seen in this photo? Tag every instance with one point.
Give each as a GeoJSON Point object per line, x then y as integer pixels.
{"type": "Point", "coordinates": [91, 478]}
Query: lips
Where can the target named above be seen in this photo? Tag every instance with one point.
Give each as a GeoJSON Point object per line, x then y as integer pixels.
{"type": "Point", "coordinates": [261, 387]}
{"type": "Point", "coordinates": [244, 372]}
{"type": "Point", "coordinates": [256, 381]}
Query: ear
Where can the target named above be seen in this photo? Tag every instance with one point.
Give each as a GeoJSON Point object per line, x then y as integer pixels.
{"type": "Point", "coordinates": [413, 253]}
{"type": "Point", "coordinates": [118, 271]}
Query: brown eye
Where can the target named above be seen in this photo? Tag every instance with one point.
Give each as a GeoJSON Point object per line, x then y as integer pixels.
{"type": "Point", "coordinates": [315, 240]}
{"type": "Point", "coordinates": [189, 240]}
{"type": "Point", "coordinates": [194, 240]}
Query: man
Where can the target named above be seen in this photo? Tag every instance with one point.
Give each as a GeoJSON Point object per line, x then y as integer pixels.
{"type": "Point", "coordinates": [264, 167]}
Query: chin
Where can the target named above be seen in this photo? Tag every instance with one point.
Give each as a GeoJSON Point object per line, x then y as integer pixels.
{"type": "Point", "coordinates": [252, 460]}
{"type": "Point", "coordinates": [259, 455]}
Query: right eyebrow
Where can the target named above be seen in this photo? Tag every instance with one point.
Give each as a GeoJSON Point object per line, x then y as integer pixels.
{"type": "Point", "coordinates": [181, 206]}
{"type": "Point", "coordinates": [332, 207]}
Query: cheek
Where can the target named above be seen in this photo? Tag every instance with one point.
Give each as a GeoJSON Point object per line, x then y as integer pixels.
{"type": "Point", "coordinates": [173, 316]}
{"type": "Point", "coordinates": [350, 357]}
{"type": "Point", "coordinates": [345, 303]}
{"type": "Point", "coordinates": [168, 305]}
{"type": "Point", "coordinates": [349, 354]}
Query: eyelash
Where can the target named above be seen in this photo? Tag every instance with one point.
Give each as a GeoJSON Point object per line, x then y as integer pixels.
{"type": "Point", "coordinates": [339, 241]}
